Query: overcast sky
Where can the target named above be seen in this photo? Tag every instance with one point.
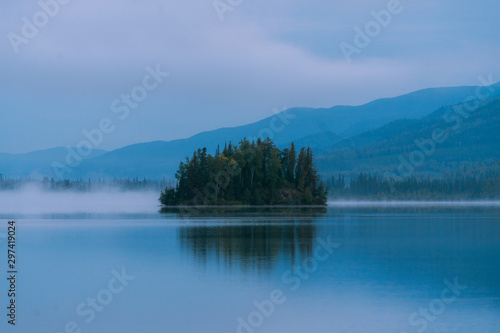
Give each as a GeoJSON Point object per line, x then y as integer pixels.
{"type": "Point", "coordinates": [264, 55]}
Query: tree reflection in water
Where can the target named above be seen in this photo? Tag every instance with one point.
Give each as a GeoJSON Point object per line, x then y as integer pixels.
{"type": "Point", "coordinates": [250, 239]}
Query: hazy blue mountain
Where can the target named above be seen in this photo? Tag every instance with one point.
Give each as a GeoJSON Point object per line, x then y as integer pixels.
{"type": "Point", "coordinates": [318, 140]}
{"type": "Point", "coordinates": [398, 147]}
{"type": "Point", "coordinates": [318, 128]}
{"type": "Point", "coordinates": [36, 164]}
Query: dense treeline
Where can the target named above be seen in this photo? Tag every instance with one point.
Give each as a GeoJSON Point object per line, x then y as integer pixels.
{"type": "Point", "coordinates": [367, 186]}
{"type": "Point", "coordinates": [255, 173]}
{"type": "Point", "coordinates": [80, 185]}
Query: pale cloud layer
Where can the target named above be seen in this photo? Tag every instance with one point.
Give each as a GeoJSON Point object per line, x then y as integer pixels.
{"type": "Point", "coordinates": [264, 55]}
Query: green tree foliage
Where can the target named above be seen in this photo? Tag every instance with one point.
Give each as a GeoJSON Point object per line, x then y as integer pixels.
{"type": "Point", "coordinates": [256, 173]}
{"type": "Point", "coordinates": [457, 187]}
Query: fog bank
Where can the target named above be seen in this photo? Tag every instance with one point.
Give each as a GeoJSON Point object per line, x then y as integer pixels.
{"type": "Point", "coordinates": [32, 200]}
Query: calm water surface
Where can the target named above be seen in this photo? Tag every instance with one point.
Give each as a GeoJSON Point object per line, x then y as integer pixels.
{"type": "Point", "coordinates": [341, 269]}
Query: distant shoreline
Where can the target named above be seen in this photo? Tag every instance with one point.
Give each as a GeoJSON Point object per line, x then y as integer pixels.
{"type": "Point", "coordinates": [412, 203]}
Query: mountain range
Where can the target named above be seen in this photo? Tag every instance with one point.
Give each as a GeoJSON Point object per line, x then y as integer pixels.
{"type": "Point", "coordinates": [448, 140]}
{"type": "Point", "coordinates": [369, 137]}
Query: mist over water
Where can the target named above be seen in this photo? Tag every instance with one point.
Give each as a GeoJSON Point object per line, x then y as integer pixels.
{"type": "Point", "coordinates": [34, 201]}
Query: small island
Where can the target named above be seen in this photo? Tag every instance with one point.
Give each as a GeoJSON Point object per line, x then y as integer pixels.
{"type": "Point", "coordinates": [251, 173]}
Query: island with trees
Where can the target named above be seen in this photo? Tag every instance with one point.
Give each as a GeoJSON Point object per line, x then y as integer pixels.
{"type": "Point", "coordinates": [251, 173]}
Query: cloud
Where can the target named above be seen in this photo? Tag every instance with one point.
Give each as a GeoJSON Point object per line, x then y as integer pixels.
{"type": "Point", "coordinates": [264, 55]}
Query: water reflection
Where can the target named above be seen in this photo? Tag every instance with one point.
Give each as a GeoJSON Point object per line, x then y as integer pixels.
{"type": "Point", "coordinates": [249, 243]}
{"type": "Point", "coordinates": [200, 270]}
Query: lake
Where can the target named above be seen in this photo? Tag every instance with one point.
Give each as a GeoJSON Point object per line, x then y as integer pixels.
{"type": "Point", "coordinates": [345, 268]}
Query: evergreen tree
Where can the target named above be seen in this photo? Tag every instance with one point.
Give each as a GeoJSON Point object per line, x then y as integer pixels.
{"type": "Point", "coordinates": [292, 160]}
{"type": "Point", "coordinates": [250, 173]}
